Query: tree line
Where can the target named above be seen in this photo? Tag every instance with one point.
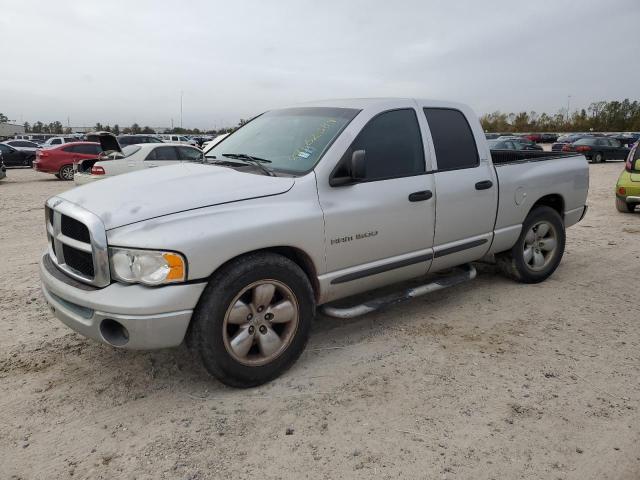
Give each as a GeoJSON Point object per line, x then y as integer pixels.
{"type": "Point", "coordinates": [603, 116]}
{"type": "Point", "coordinates": [58, 128]}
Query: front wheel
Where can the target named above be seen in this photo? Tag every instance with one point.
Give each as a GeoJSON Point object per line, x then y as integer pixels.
{"type": "Point", "coordinates": [539, 248]}
{"type": "Point", "coordinates": [253, 319]}
{"type": "Point", "coordinates": [66, 172]}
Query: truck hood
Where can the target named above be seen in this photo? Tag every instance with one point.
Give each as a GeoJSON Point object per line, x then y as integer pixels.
{"type": "Point", "coordinates": [154, 192]}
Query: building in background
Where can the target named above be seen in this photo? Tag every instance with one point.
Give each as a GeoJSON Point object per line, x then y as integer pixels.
{"type": "Point", "coordinates": [9, 130]}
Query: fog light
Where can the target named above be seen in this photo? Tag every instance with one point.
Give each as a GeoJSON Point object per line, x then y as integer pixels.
{"type": "Point", "coordinates": [114, 332]}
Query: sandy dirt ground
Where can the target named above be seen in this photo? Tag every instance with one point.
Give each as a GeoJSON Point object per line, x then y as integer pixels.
{"type": "Point", "coordinates": [488, 380]}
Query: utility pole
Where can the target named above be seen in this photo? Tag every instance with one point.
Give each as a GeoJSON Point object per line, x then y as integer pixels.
{"type": "Point", "coordinates": [568, 106]}
{"type": "Point", "coordinates": [181, 108]}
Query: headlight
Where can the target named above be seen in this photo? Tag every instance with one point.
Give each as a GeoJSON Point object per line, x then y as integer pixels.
{"type": "Point", "coordinates": [149, 267]}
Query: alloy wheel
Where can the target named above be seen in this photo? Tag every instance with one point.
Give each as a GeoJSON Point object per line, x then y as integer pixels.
{"type": "Point", "coordinates": [260, 322]}
{"type": "Point", "coordinates": [540, 245]}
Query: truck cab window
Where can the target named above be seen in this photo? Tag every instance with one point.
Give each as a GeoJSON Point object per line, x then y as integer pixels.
{"type": "Point", "coordinates": [392, 144]}
{"type": "Point", "coordinates": [452, 139]}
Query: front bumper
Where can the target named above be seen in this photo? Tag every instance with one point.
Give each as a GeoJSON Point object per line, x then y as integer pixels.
{"type": "Point", "coordinates": [151, 317]}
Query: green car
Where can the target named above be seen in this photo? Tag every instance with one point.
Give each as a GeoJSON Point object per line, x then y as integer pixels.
{"type": "Point", "coordinates": [628, 186]}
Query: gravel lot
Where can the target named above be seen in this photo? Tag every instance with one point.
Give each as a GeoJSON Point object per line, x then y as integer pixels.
{"type": "Point", "coordinates": [491, 379]}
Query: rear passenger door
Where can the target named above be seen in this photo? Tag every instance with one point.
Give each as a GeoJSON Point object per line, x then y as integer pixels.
{"type": "Point", "coordinates": [466, 189]}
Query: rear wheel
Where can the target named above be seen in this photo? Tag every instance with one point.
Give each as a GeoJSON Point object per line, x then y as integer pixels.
{"type": "Point", "coordinates": [253, 319]}
{"type": "Point", "coordinates": [598, 158]}
{"type": "Point", "coordinates": [624, 207]}
{"type": "Point", "coordinates": [66, 172]}
{"type": "Point", "coordinates": [539, 248]}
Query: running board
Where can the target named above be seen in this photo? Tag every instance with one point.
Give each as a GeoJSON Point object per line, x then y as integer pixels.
{"type": "Point", "coordinates": [468, 273]}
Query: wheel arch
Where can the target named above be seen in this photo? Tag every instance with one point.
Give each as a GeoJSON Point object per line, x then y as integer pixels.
{"type": "Point", "coordinates": [296, 255]}
{"type": "Point", "coordinates": [553, 200]}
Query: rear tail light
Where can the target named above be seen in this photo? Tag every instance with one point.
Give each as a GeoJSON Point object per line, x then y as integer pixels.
{"type": "Point", "coordinates": [567, 148]}
{"type": "Point", "coordinates": [622, 191]}
{"type": "Point", "coordinates": [41, 154]}
{"type": "Point", "coordinates": [96, 170]}
{"type": "Point", "coordinates": [583, 148]}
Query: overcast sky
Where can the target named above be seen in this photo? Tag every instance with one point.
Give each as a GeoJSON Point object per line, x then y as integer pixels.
{"type": "Point", "coordinates": [127, 61]}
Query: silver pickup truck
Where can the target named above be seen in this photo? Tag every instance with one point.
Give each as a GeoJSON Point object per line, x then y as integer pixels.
{"type": "Point", "coordinates": [301, 207]}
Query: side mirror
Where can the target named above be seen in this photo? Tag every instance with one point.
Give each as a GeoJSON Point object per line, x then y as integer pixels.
{"type": "Point", "coordinates": [358, 166]}
{"type": "Point", "coordinates": [350, 171]}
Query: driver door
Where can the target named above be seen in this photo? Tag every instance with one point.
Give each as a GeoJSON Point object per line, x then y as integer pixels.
{"type": "Point", "coordinates": [380, 230]}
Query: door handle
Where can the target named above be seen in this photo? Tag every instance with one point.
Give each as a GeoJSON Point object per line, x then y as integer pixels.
{"type": "Point", "coordinates": [484, 185]}
{"type": "Point", "coordinates": [420, 196]}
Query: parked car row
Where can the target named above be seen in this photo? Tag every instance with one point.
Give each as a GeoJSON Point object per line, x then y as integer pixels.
{"type": "Point", "coordinates": [131, 158]}
{"type": "Point", "coordinates": [598, 149]}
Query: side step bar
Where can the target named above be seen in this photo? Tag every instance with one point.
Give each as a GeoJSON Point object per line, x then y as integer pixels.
{"type": "Point", "coordinates": [468, 273]}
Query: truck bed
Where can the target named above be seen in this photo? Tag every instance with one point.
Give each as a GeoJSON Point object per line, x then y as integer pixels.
{"type": "Point", "coordinates": [501, 157]}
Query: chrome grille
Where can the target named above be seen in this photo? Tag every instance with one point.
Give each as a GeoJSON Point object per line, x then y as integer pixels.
{"type": "Point", "coordinates": [78, 243]}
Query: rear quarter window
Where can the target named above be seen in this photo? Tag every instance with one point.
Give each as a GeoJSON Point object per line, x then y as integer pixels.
{"type": "Point", "coordinates": [453, 139]}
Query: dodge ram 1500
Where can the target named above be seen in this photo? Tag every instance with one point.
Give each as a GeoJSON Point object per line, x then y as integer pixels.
{"type": "Point", "coordinates": [298, 208]}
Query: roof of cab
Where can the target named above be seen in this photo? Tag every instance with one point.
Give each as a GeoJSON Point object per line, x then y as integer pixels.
{"type": "Point", "coordinates": [363, 103]}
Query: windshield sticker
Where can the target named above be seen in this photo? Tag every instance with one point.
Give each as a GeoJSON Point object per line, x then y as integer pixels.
{"type": "Point", "coordinates": [307, 150]}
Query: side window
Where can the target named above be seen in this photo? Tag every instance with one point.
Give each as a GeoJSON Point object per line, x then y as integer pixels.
{"type": "Point", "coordinates": [71, 149]}
{"type": "Point", "coordinates": [166, 153]}
{"type": "Point", "coordinates": [601, 142]}
{"type": "Point", "coordinates": [190, 154]}
{"type": "Point", "coordinates": [87, 149]}
{"type": "Point", "coordinates": [56, 141]}
{"type": "Point", "coordinates": [4, 148]}
{"type": "Point", "coordinates": [452, 139]}
{"type": "Point", "coordinates": [392, 144]}
{"type": "Point", "coordinates": [152, 155]}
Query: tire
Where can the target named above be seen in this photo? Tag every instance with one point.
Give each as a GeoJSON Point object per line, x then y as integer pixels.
{"type": "Point", "coordinates": [230, 309]}
{"type": "Point", "coordinates": [525, 267]}
{"type": "Point", "coordinates": [66, 173]}
{"type": "Point", "coordinates": [598, 158]}
{"type": "Point", "coordinates": [624, 207]}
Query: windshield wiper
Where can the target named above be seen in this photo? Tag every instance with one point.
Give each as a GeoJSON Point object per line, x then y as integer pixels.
{"type": "Point", "coordinates": [255, 161]}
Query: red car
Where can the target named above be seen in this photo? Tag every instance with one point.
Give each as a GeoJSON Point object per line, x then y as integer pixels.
{"type": "Point", "coordinates": [59, 160]}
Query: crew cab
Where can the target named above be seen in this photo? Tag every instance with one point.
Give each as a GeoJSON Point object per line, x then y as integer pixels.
{"type": "Point", "coordinates": [299, 208]}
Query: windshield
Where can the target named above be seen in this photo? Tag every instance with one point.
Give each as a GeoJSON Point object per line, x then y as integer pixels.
{"type": "Point", "coordinates": [293, 139]}
{"type": "Point", "coordinates": [130, 150]}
